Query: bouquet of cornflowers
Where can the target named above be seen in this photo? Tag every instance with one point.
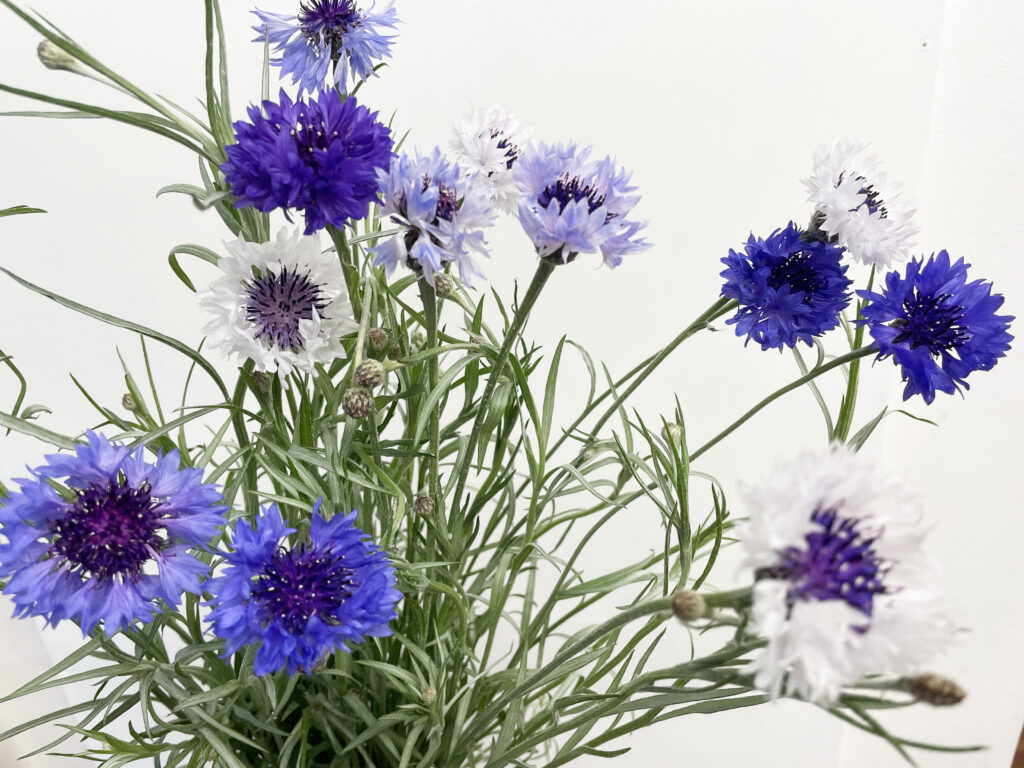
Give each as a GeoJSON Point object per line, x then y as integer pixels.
{"type": "Point", "coordinates": [366, 551]}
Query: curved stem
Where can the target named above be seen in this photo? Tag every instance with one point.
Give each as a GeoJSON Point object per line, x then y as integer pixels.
{"type": "Point", "coordinates": [540, 277]}
{"type": "Point", "coordinates": [843, 360]}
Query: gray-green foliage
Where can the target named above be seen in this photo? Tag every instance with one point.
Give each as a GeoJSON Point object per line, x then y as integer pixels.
{"type": "Point", "coordinates": [482, 669]}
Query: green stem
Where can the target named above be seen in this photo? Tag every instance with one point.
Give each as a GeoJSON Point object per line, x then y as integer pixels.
{"type": "Point", "coordinates": [839, 361]}
{"type": "Point", "coordinates": [540, 277]}
{"type": "Point", "coordinates": [716, 310]}
{"type": "Point", "coordinates": [845, 419]}
{"type": "Point", "coordinates": [434, 428]}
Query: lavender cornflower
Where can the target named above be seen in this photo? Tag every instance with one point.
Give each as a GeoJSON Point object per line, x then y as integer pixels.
{"type": "Point", "coordinates": [328, 42]}
{"type": "Point", "coordinates": [114, 544]}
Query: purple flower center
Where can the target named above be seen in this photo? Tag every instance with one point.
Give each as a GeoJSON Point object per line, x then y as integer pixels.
{"type": "Point", "coordinates": [932, 322]}
{"type": "Point", "coordinates": [301, 583]}
{"type": "Point", "coordinates": [325, 22]}
{"type": "Point", "coordinates": [798, 273]}
{"type": "Point", "coordinates": [566, 190]}
{"type": "Point", "coordinates": [447, 206]}
{"type": "Point", "coordinates": [278, 301]}
{"type": "Point", "coordinates": [512, 152]}
{"type": "Point", "coordinates": [110, 530]}
{"type": "Point", "coordinates": [838, 563]}
{"type": "Point", "coordinates": [873, 200]}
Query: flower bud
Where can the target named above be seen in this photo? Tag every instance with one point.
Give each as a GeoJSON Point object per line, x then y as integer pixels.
{"type": "Point", "coordinates": [423, 505]}
{"type": "Point", "coordinates": [476, 339]}
{"type": "Point", "coordinates": [263, 381]}
{"type": "Point", "coordinates": [688, 606]}
{"type": "Point", "coordinates": [934, 689]}
{"type": "Point", "coordinates": [443, 285]}
{"type": "Point", "coordinates": [369, 374]}
{"type": "Point", "coordinates": [54, 57]}
{"type": "Point", "coordinates": [128, 402]}
{"type": "Point", "coordinates": [378, 338]}
{"type": "Point", "coordinates": [672, 432]}
{"type": "Point", "coordinates": [357, 402]}
{"type": "Point", "coordinates": [429, 694]}
{"type": "Point", "coordinates": [395, 353]}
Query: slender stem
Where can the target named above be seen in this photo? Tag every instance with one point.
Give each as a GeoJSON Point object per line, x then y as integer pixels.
{"type": "Point", "coordinates": [845, 418]}
{"type": "Point", "coordinates": [540, 277]}
{"type": "Point", "coordinates": [716, 310]}
{"type": "Point", "coordinates": [434, 428]}
{"type": "Point", "coordinates": [847, 358]}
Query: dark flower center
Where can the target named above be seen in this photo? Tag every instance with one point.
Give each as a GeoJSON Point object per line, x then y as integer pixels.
{"type": "Point", "coordinates": [931, 321]}
{"type": "Point", "coordinates": [278, 301]}
{"type": "Point", "coordinates": [110, 530]}
{"type": "Point", "coordinates": [839, 563]}
{"type": "Point", "coordinates": [798, 273]}
{"type": "Point", "coordinates": [874, 200]}
{"type": "Point", "coordinates": [566, 190]}
{"type": "Point", "coordinates": [300, 583]}
{"type": "Point", "coordinates": [325, 22]}
{"type": "Point", "coordinates": [447, 207]}
{"type": "Point", "coordinates": [512, 152]}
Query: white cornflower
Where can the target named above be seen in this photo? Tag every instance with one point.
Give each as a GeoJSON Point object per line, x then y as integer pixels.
{"type": "Point", "coordinates": [844, 588]}
{"type": "Point", "coordinates": [857, 207]}
{"type": "Point", "coordinates": [282, 304]}
{"type": "Point", "coordinates": [488, 142]}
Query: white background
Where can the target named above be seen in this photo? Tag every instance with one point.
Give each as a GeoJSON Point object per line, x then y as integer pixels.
{"type": "Point", "coordinates": [716, 107]}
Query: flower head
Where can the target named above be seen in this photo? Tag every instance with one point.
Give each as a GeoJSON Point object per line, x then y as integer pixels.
{"type": "Point", "coordinates": [857, 207]}
{"type": "Point", "coordinates": [319, 156]}
{"type": "Point", "coordinates": [114, 544]}
{"type": "Point", "coordinates": [788, 289]}
{"type": "Point", "coordinates": [488, 142]}
{"type": "Point", "coordinates": [303, 600]}
{"type": "Point", "coordinates": [328, 42]}
{"type": "Point", "coordinates": [282, 304]}
{"type": "Point", "coordinates": [844, 588]}
{"type": "Point", "coordinates": [936, 326]}
{"type": "Point", "coordinates": [441, 214]}
{"type": "Point", "coordinates": [572, 204]}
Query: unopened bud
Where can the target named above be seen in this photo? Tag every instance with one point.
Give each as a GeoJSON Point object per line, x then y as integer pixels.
{"type": "Point", "coordinates": [672, 432]}
{"type": "Point", "coordinates": [357, 402]}
{"type": "Point", "coordinates": [429, 694]}
{"type": "Point", "coordinates": [54, 57]}
{"type": "Point", "coordinates": [369, 374]}
{"type": "Point", "coordinates": [443, 285]}
{"type": "Point", "coordinates": [128, 402]}
{"type": "Point", "coordinates": [934, 689]}
{"type": "Point", "coordinates": [688, 606]}
{"type": "Point", "coordinates": [476, 339]}
{"type": "Point", "coordinates": [423, 506]}
{"type": "Point", "coordinates": [395, 353]}
{"type": "Point", "coordinates": [262, 380]}
{"type": "Point", "coordinates": [378, 338]}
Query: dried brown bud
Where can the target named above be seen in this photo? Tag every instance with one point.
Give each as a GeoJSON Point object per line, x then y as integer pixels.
{"type": "Point", "coordinates": [429, 694]}
{"type": "Point", "coordinates": [443, 285]}
{"type": "Point", "coordinates": [263, 381]}
{"type": "Point", "coordinates": [395, 353]}
{"type": "Point", "coordinates": [688, 606]}
{"type": "Point", "coordinates": [934, 689]}
{"type": "Point", "coordinates": [476, 339]}
{"type": "Point", "coordinates": [378, 338]}
{"type": "Point", "coordinates": [128, 402]}
{"type": "Point", "coordinates": [357, 402]}
{"type": "Point", "coordinates": [672, 432]}
{"type": "Point", "coordinates": [423, 505]}
{"type": "Point", "coordinates": [369, 374]}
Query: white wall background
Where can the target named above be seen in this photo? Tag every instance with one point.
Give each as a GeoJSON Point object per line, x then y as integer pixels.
{"type": "Point", "coordinates": [717, 108]}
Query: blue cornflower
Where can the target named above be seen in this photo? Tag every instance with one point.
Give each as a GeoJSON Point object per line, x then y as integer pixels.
{"type": "Point", "coordinates": [788, 289]}
{"type": "Point", "coordinates": [113, 543]}
{"type": "Point", "coordinates": [328, 42]}
{"type": "Point", "coordinates": [936, 326]}
{"type": "Point", "coordinates": [441, 213]}
{"type": "Point", "coordinates": [301, 602]}
{"type": "Point", "coordinates": [571, 204]}
{"type": "Point", "coordinates": [318, 156]}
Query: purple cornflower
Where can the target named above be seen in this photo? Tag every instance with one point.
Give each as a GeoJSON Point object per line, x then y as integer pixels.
{"type": "Point", "coordinates": [441, 214]}
{"type": "Point", "coordinates": [303, 601]}
{"type": "Point", "coordinates": [788, 289]}
{"type": "Point", "coordinates": [113, 543]}
{"type": "Point", "coordinates": [328, 42]}
{"type": "Point", "coordinates": [571, 204]}
{"type": "Point", "coordinates": [936, 326]}
{"type": "Point", "coordinates": [319, 156]}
